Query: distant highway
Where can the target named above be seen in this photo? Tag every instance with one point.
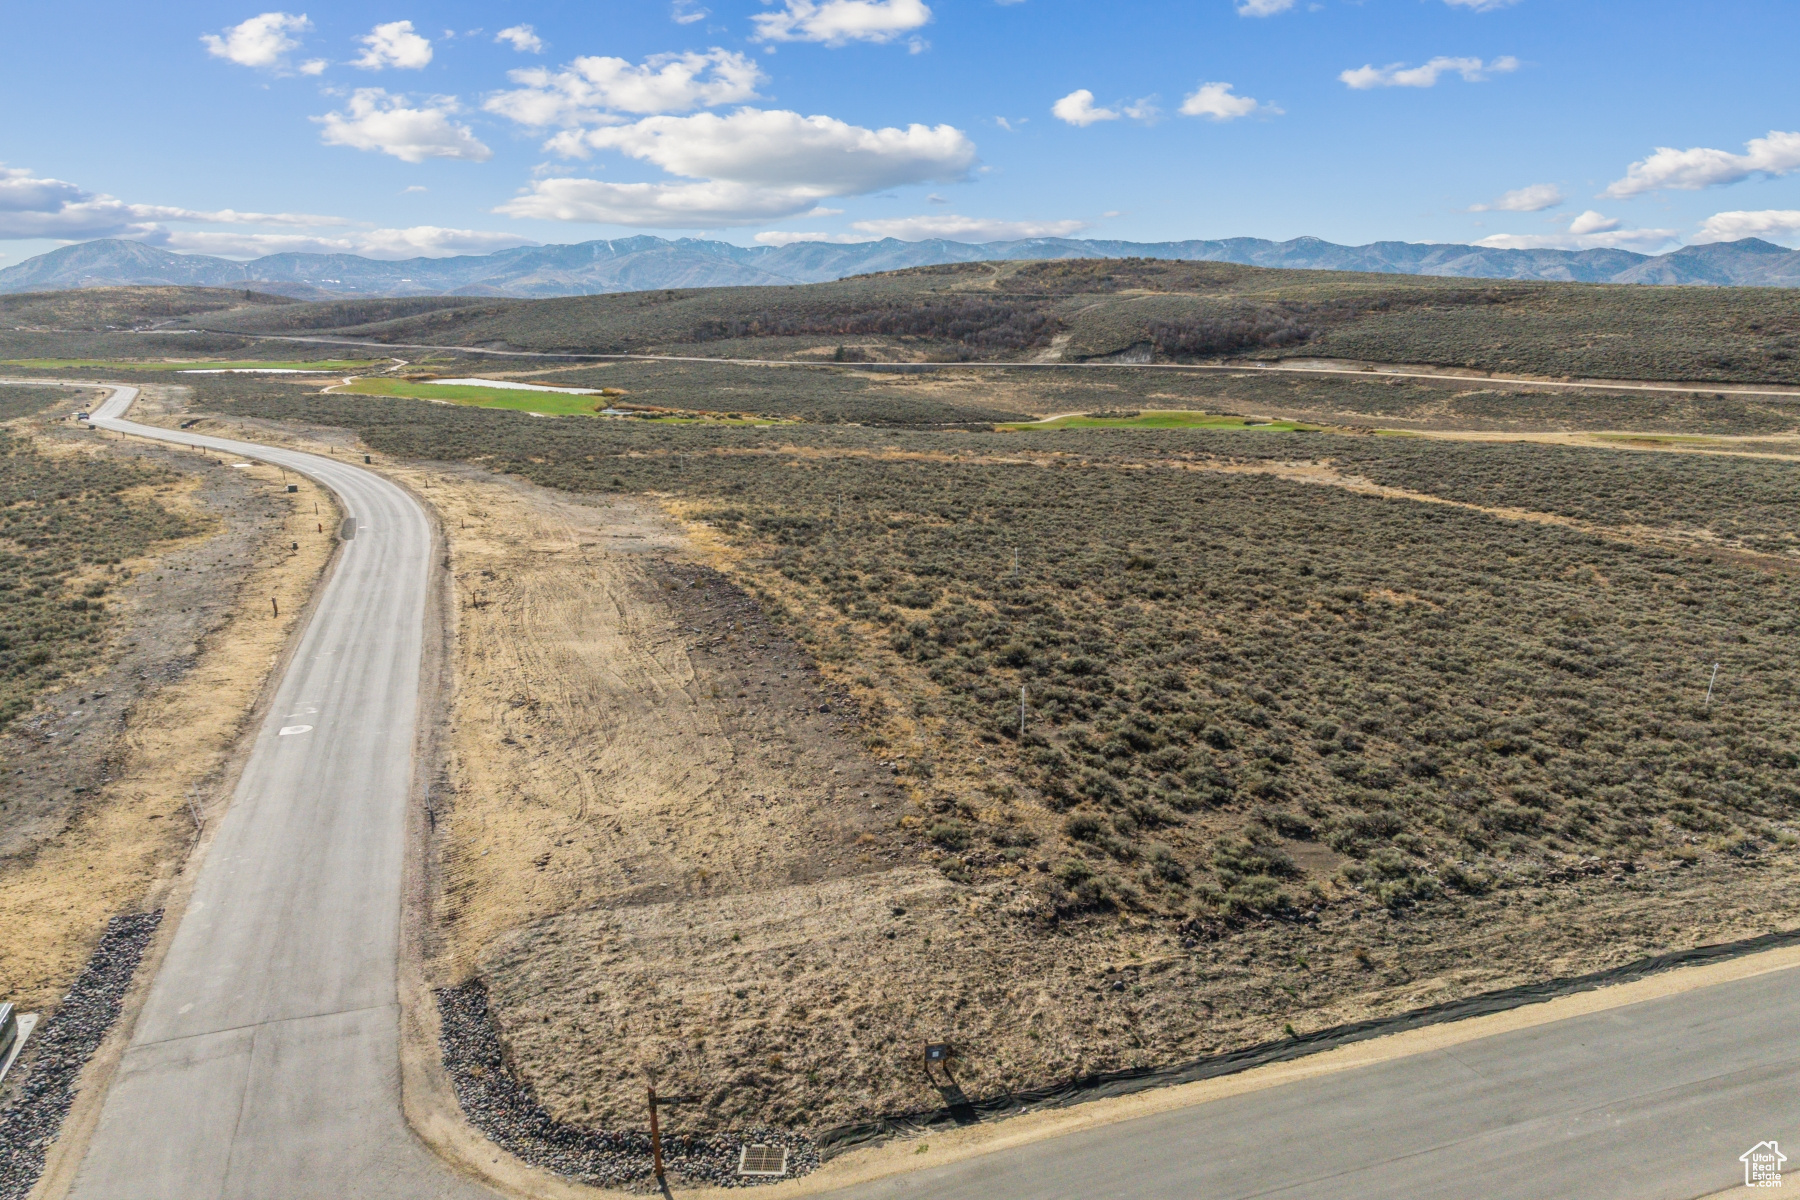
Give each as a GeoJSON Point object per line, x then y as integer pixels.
{"type": "Point", "coordinates": [889, 368]}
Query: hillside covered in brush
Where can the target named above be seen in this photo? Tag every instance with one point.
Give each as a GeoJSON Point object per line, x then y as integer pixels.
{"type": "Point", "coordinates": [1096, 309]}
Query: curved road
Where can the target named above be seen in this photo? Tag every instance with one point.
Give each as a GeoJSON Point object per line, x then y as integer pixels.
{"type": "Point", "coordinates": [266, 1060]}
{"type": "Point", "coordinates": [265, 1064]}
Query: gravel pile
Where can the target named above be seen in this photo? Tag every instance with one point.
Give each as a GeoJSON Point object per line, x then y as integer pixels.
{"type": "Point", "coordinates": [505, 1110]}
{"type": "Point", "coordinates": [43, 1083]}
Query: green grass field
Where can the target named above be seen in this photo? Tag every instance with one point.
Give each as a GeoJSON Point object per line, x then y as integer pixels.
{"type": "Point", "coordinates": [55, 364]}
{"type": "Point", "coordinates": [548, 403]}
{"type": "Point", "coordinates": [554, 403]}
{"type": "Point", "coordinates": [1158, 420]}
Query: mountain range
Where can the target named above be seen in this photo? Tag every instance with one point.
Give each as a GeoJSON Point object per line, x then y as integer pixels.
{"type": "Point", "coordinates": [647, 263]}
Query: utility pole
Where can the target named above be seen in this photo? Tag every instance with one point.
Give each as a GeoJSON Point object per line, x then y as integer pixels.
{"type": "Point", "coordinates": [656, 1157]}
{"type": "Point", "coordinates": [655, 1138]}
{"type": "Point", "coordinates": [1709, 684]}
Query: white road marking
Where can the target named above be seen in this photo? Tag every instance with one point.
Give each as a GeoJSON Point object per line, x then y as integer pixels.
{"type": "Point", "coordinates": [290, 730]}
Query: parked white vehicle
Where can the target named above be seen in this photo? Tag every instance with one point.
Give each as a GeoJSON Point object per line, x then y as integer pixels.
{"type": "Point", "coordinates": [15, 1027]}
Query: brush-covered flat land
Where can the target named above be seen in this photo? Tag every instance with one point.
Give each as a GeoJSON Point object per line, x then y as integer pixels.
{"type": "Point", "coordinates": [68, 521]}
{"type": "Point", "coordinates": [1318, 725]}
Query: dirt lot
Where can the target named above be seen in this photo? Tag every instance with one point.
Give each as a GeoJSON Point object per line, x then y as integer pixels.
{"type": "Point", "coordinates": [95, 784]}
{"type": "Point", "coordinates": [630, 732]}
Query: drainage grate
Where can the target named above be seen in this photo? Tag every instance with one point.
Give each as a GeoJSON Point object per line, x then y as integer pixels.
{"type": "Point", "coordinates": [763, 1160]}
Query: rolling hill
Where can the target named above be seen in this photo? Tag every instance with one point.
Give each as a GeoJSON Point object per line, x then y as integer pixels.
{"type": "Point", "coordinates": [1133, 310]}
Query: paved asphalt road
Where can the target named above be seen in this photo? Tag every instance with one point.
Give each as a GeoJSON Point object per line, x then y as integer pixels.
{"type": "Point", "coordinates": [266, 1061]}
{"type": "Point", "coordinates": [265, 1064]}
{"type": "Point", "coordinates": [1652, 1101]}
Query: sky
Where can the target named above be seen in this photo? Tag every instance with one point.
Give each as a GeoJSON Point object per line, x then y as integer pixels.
{"type": "Point", "coordinates": [412, 127]}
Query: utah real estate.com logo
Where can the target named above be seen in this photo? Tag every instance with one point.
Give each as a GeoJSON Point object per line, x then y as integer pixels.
{"type": "Point", "coordinates": [1762, 1165]}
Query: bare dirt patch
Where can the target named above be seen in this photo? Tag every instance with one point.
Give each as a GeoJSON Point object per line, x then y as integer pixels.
{"type": "Point", "coordinates": [608, 752]}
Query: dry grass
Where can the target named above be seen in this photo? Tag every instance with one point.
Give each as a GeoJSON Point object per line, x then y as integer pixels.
{"type": "Point", "coordinates": [124, 847]}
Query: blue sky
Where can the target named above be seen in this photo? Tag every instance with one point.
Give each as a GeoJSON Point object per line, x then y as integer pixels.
{"type": "Point", "coordinates": [435, 128]}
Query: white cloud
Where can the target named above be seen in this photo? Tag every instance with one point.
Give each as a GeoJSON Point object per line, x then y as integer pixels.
{"type": "Point", "coordinates": [427, 241]}
{"type": "Point", "coordinates": [782, 237]}
{"type": "Point", "coordinates": [750, 166]}
{"type": "Point", "coordinates": [35, 207]}
{"type": "Point", "coordinates": [1593, 222]}
{"type": "Point", "coordinates": [394, 45]}
{"type": "Point", "coordinates": [378, 121]}
{"type": "Point", "coordinates": [708, 204]}
{"type": "Point", "coordinates": [837, 22]}
{"type": "Point", "coordinates": [585, 90]}
{"type": "Point", "coordinates": [32, 206]}
{"type": "Point", "coordinates": [313, 66]}
{"type": "Point", "coordinates": [230, 216]}
{"type": "Point", "coordinates": [523, 38]}
{"type": "Point", "coordinates": [1690, 170]}
{"type": "Point", "coordinates": [1473, 70]}
{"type": "Point", "coordinates": [1077, 108]}
{"type": "Point", "coordinates": [774, 148]}
{"type": "Point", "coordinates": [1215, 101]}
{"type": "Point", "coordinates": [1767, 223]}
{"type": "Point", "coordinates": [262, 41]}
{"type": "Point", "coordinates": [1606, 237]}
{"type": "Point", "coordinates": [684, 12]}
{"type": "Point", "coordinates": [1263, 8]}
{"type": "Point", "coordinates": [1481, 5]}
{"type": "Point", "coordinates": [1535, 198]}
{"type": "Point", "coordinates": [963, 229]}
{"type": "Point", "coordinates": [1587, 231]}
